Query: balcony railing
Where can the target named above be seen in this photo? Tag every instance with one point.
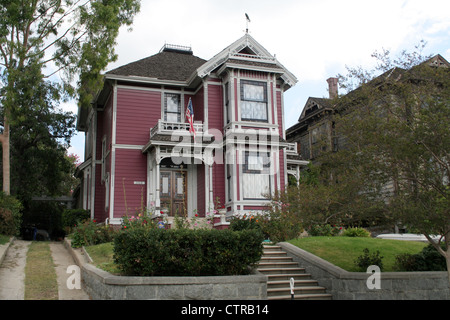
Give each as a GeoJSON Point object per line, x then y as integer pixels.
{"type": "Point", "coordinates": [291, 148]}
{"type": "Point", "coordinates": [167, 128]}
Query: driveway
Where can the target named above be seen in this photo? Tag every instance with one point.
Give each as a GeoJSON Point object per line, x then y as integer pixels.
{"type": "Point", "coordinates": [12, 272]}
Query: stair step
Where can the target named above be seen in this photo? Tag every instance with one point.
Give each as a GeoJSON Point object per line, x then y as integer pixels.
{"type": "Point", "coordinates": [280, 269]}
{"type": "Point", "coordinates": [268, 271]}
{"type": "Point", "coordinates": [288, 276]}
{"type": "Point", "coordinates": [286, 283]}
{"type": "Point", "coordinates": [322, 296]}
{"type": "Point", "coordinates": [297, 290]}
{"type": "Point", "coordinates": [276, 258]}
{"type": "Point", "coordinates": [274, 254]}
{"type": "Point", "coordinates": [271, 247]}
{"type": "Point", "coordinates": [277, 264]}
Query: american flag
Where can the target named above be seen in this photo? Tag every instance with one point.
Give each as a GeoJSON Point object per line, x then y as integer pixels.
{"type": "Point", "coordinates": [190, 117]}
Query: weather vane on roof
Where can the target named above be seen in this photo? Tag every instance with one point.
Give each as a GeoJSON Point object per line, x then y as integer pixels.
{"type": "Point", "coordinates": [248, 20]}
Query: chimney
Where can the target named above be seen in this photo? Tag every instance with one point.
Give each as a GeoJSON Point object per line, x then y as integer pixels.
{"type": "Point", "coordinates": [332, 87]}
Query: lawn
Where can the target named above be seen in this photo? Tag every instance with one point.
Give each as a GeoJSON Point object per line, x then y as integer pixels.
{"type": "Point", "coordinates": [343, 251]}
{"type": "Point", "coordinates": [40, 274]}
{"type": "Point", "coordinates": [103, 256]}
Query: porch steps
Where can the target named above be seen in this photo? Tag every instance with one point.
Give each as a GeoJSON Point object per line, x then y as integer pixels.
{"type": "Point", "coordinates": [280, 268]}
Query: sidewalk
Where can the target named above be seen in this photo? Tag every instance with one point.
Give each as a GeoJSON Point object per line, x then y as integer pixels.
{"type": "Point", "coordinates": [12, 273]}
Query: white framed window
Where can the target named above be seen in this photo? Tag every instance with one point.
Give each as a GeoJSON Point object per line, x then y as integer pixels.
{"type": "Point", "coordinates": [254, 101]}
{"type": "Point", "coordinates": [172, 107]}
{"type": "Point", "coordinates": [256, 175]}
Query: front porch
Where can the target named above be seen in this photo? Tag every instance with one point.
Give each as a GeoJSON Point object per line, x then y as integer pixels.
{"type": "Point", "coordinates": [180, 171]}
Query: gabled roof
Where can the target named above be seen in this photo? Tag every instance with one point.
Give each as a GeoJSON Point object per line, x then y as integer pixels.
{"type": "Point", "coordinates": [247, 53]}
{"type": "Point", "coordinates": [438, 61]}
{"type": "Point", "coordinates": [313, 106]}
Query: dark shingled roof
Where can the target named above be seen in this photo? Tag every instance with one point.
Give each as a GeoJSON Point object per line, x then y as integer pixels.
{"type": "Point", "coordinates": [166, 65]}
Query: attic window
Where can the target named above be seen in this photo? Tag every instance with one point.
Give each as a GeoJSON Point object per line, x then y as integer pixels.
{"type": "Point", "coordinates": [176, 48]}
{"type": "Point", "coordinates": [247, 50]}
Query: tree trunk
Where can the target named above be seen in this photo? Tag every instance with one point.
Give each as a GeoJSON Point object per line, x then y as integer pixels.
{"type": "Point", "coordinates": [4, 140]}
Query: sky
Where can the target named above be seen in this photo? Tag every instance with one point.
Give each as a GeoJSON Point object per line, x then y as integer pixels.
{"type": "Point", "coordinates": [313, 39]}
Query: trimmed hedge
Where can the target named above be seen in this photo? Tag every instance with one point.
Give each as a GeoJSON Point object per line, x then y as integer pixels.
{"type": "Point", "coordinates": [186, 252]}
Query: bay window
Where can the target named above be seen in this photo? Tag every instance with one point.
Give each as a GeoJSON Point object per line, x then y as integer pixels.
{"type": "Point", "coordinates": [256, 175]}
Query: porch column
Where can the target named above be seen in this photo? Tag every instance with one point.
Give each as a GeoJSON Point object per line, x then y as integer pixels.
{"type": "Point", "coordinates": [209, 201]}
{"type": "Point", "coordinates": [157, 186]}
{"type": "Point", "coordinates": [211, 195]}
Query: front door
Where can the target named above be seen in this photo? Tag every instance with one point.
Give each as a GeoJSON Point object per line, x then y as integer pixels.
{"type": "Point", "coordinates": [174, 191]}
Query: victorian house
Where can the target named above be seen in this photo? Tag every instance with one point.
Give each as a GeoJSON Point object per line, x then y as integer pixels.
{"type": "Point", "coordinates": [185, 135]}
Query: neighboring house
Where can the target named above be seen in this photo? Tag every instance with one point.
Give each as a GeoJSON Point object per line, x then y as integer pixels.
{"type": "Point", "coordinates": [314, 132]}
{"type": "Point", "coordinates": [140, 151]}
{"type": "Point", "coordinates": [314, 124]}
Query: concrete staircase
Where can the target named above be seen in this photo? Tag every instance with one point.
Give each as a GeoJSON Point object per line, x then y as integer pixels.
{"type": "Point", "coordinates": [280, 268]}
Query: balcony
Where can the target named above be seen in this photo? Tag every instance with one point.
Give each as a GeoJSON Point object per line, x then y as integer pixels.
{"type": "Point", "coordinates": [168, 128]}
{"type": "Point", "coordinates": [291, 148]}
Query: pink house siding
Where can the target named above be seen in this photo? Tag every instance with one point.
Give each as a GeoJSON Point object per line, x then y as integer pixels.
{"type": "Point", "coordinates": [215, 121]}
{"type": "Point", "coordinates": [215, 107]}
{"type": "Point", "coordinates": [281, 173]}
{"type": "Point", "coordinates": [280, 124]}
{"type": "Point", "coordinates": [197, 102]}
{"type": "Point", "coordinates": [280, 114]}
{"type": "Point", "coordinates": [219, 183]}
{"type": "Point", "coordinates": [131, 172]}
{"type": "Point", "coordinates": [99, 207]}
{"type": "Point", "coordinates": [137, 112]}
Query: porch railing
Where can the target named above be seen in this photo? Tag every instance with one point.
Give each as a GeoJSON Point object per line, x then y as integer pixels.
{"type": "Point", "coordinates": [167, 128]}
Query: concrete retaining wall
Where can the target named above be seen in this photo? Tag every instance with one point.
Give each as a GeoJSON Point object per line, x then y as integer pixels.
{"type": "Point", "coordinates": [344, 285]}
{"type": "Point", "coordinates": [101, 285]}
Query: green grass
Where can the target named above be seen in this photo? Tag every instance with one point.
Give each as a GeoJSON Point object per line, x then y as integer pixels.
{"type": "Point", "coordinates": [103, 256]}
{"type": "Point", "coordinates": [343, 251]}
{"type": "Point", "coordinates": [40, 274]}
{"type": "Point", "coordinates": [4, 239]}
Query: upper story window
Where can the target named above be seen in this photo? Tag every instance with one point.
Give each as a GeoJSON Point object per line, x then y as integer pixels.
{"type": "Point", "coordinates": [227, 103]}
{"type": "Point", "coordinates": [254, 101]}
{"type": "Point", "coordinates": [172, 107]}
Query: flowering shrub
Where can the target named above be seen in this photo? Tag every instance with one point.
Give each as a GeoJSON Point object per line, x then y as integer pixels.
{"type": "Point", "coordinates": [138, 221]}
{"type": "Point", "coordinates": [90, 233]}
{"type": "Point", "coordinates": [245, 222]}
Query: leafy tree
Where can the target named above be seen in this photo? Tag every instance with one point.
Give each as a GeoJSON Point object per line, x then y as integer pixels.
{"type": "Point", "coordinates": [394, 129]}
{"type": "Point", "coordinates": [41, 39]}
